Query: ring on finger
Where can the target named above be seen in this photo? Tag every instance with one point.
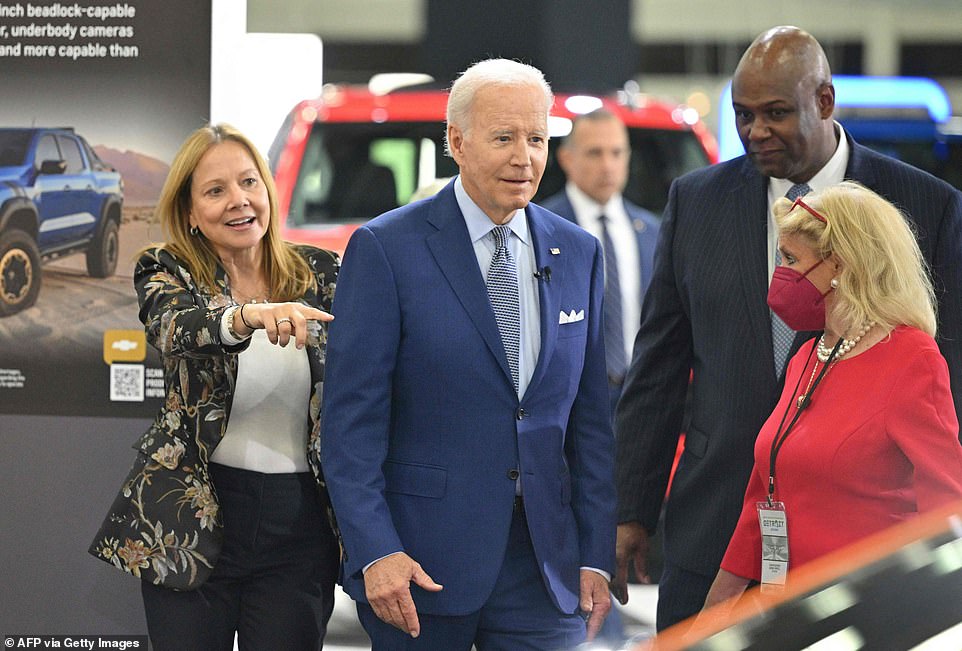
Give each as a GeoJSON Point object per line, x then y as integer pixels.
{"type": "Point", "coordinates": [284, 320]}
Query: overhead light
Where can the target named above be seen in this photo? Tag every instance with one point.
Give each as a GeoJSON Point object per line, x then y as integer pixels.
{"type": "Point", "coordinates": [581, 104]}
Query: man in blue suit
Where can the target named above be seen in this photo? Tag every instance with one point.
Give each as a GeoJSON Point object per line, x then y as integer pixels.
{"type": "Point", "coordinates": [706, 313]}
{"type": "Point", "coordinates": [466, 440]}
{"type": "Point", "coordinates": [595, 157]}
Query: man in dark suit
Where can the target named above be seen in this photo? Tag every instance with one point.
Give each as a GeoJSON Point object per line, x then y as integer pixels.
{"type": "Point", "coordinates": [706, 311]}
{"type": "Point", "coordinates": [595, 157]}
{"type": "Point", "coordinates": [466, 440]}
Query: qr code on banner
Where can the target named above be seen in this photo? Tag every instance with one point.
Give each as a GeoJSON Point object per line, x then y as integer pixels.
{"type": "Point", "coordinates": [127, 382]}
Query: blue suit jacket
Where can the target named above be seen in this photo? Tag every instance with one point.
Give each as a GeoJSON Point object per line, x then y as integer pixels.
{"type": "Point", "coordinates": [422, 425]}
{"type": "Point", "coordinates": [645, 224]}
{"type": "Point", "coordinates": [706, 312]}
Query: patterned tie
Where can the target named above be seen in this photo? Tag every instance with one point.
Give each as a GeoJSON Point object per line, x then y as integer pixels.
{"type": "Point", "coordinates": [502, 283]}
{"type": "Point", "coordinates": [782, 335]}
{"type": "Point", "coordinates": [615, 356]}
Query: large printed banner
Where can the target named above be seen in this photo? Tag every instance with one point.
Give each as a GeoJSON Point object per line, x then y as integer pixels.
{"type": "Point", "coordinates": [96, 99]}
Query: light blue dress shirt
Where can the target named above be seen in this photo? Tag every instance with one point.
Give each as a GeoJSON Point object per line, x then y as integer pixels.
{"type": "Point", "coordinates": [522, 248]}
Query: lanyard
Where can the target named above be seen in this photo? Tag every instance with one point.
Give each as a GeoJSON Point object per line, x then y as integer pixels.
{"type": "Point", "coordinates": [804, 401]}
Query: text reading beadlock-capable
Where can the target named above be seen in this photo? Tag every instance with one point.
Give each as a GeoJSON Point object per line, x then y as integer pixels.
{"type": "Point", "coordinates": [60, 10]}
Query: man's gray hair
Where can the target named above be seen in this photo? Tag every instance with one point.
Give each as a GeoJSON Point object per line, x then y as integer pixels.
{"type": "Point", "coordinates": [499, 72]}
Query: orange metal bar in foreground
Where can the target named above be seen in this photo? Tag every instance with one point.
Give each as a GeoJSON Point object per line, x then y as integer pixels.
{"type": "Point", "coordinates": [810, 579]}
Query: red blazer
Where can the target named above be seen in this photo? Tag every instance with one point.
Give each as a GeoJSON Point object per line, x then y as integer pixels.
{"type": "Point", "coordinates": [877, 445]}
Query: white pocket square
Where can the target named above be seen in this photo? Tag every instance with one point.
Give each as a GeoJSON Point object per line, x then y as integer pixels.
{"type": "Point", "coordinates": [571, 317]}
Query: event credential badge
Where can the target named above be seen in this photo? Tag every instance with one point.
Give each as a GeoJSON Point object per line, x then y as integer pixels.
{"type": "Point", "coordinates": [774, 528]}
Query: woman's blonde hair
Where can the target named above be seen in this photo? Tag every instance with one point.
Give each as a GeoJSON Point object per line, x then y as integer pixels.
{"type": "Point", "coordinates": [883, 276]}
{"type": "Point", "coordinates": [288, 272]}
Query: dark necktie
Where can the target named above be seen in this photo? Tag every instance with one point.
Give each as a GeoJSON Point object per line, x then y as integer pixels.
{"type": "Point", "coordinates": [502, 284]}
{"type": "Point", "coordinates": [615, 356]}
{"type": "Point", "coordinates": [782, 335]}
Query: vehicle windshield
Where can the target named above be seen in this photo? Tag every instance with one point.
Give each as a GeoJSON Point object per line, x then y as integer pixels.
{"type": "Point", "coordinates": [352, 172]}
{"type": "Point", "coordinates": [658, 157]}
{"type": "Point", "coordinates": [13, 147]}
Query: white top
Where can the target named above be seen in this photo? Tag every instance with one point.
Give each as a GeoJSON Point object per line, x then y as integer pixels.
{"type": "Point", "coordinates": [267, 429]}
{"type": "Point", "coordinates": [625, 240]}
{"type": "Point", "coordinates": [832, 173]}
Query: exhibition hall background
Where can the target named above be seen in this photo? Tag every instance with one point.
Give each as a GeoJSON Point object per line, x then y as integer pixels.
{"type": "Point", "coordinates": [676, 47]}
{"type": "Point", "coordinates": [63, 455]}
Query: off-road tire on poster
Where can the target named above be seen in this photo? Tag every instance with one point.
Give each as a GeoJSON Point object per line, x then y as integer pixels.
{"type": "Point", "coordinates": [104, 250]}
{"type": "Point", "coordinates": [20, 273]}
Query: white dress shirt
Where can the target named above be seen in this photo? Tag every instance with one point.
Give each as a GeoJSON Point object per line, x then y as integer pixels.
{"type": "Point", "coordinates": [267, 430]}
{"type": "Point", "coordinates": [831, 173]}
{"type": "Point", "coordinates": [522, 249]}
{"type": "Point", "coordinates": [625, 241]}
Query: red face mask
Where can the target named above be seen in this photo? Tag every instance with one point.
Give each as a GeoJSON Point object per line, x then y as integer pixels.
{"type": "Point", "coordinates": [795, 300]}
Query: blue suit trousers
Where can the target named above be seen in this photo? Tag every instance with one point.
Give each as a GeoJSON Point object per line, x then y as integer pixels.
{"type": "Point", "coordinates": [518, 616]}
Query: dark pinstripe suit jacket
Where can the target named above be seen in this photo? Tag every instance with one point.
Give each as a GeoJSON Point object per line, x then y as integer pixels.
{"type": "Point", "coordinates": [706, 311]}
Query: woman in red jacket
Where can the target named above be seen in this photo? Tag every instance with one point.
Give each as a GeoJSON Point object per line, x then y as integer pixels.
{"type": "Point", "coordinates": [865, 434]}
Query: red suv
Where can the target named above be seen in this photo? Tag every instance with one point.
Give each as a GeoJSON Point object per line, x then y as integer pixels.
{"type": "Point", "coordinates": [352, 154]}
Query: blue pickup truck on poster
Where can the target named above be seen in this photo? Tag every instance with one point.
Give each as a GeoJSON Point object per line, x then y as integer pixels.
{"type": "Point", "coordinates": [56, 198]}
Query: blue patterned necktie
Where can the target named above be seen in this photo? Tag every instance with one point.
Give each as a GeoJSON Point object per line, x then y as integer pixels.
{"type": "Point", "coordinates": [502, 284]}
{"type": "Point", "coordinates": [615, 356]}
{"type": "Point", "coordinates": [782, 335]}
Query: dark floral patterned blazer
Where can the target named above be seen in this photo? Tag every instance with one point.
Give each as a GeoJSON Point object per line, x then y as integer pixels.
{"type": "Point", "coordinates": [165, 525]}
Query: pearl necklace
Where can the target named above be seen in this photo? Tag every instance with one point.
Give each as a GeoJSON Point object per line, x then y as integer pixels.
{"type": "Point", "coordinates": [824, 352]}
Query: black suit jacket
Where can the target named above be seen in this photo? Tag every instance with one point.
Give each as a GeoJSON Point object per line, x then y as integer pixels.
{"type": "Point", "coordinates": [706, 311]}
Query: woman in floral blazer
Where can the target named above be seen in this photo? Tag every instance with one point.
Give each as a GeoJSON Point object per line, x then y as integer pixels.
{"type": "Point", "coordinates": [238, 537]}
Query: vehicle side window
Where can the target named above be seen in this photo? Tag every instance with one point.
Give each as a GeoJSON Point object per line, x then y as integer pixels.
{"type": "Point", "coordinates": [95, 162]}
{"type": "Point", "coordinates": [71, 153]}
{"type": "Point", "coordinates": [14, 145]}
{"type": "Point", "coordinates": [46, 150]}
